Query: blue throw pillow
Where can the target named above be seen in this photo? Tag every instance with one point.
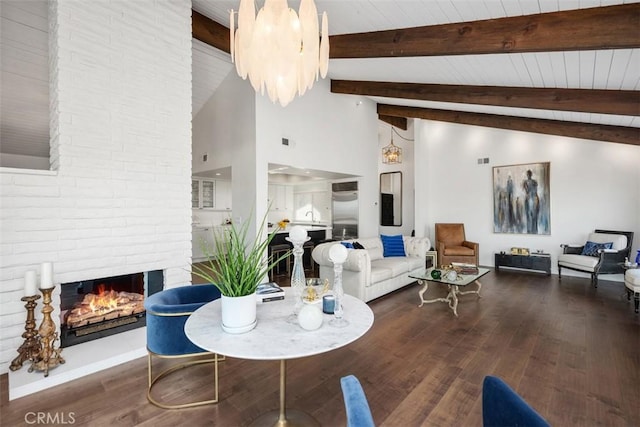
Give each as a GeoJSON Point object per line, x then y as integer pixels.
{"type": "Point", "coordinates": [347, 245]}
{"type": "Point", "coordinates": [591, 248]}
{"type": "Point", "coordinates": [392, 245]}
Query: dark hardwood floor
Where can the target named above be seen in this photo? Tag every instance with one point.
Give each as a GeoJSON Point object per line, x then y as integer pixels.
{"type": "Point", "coordinates": [572, 351]}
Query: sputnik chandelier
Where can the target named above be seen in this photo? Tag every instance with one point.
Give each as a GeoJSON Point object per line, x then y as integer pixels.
{"type": "Point", "coordinates": [278, 49]}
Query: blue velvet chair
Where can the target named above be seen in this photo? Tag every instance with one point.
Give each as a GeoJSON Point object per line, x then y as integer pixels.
{"type": "Point", "coordinates": [355, 403]}
{"type": "Point", "coordinates": [502, 407]}
{"type": "Point", "coordinates": [167, 312]}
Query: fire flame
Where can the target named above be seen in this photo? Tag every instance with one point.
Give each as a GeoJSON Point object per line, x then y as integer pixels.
{"type": "Point", "coordinates": [104, 301]}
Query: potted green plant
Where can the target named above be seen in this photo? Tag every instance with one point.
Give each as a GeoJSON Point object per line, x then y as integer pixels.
{"type": "Point", "coordinates": [239, 267]}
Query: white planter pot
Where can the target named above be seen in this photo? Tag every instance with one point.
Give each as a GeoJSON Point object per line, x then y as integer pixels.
{"type": "Point", "coordinates": [238, 314]}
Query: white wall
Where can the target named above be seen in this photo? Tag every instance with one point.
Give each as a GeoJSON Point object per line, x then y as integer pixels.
{"type": "Point", "coordinates": [118, 198]}
{"type": "Point", "coordinates": [326, 132]}
{"type": "Point", "coordinates": [593, 185]}
{"type": "Point", "coordinates": [406, 167]}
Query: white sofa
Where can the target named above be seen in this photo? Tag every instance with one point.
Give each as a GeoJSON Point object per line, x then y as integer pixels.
{"type": "Point", "coordinates": [367, 274]}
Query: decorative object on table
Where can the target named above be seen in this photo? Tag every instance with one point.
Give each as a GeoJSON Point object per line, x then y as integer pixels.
{"type": "Point", "coordinates": [603, 253]}
{"type": "Point", "coordinates": [310, 317]}
{"type": "Point", "coordinates": [297, 237]}
{"type": "Point", "coordinates": [436, 274]}
{"type": "Point", "coordinates": [638, 257]}
{"type": "Point", "coordinates": [238, 268]}
{"type": "Point", "coordinates": [521, 199]}
{"type": "Point", "coordinates": [167, 313]}
{"type": "Point", "coordinates": [280, 50]}
{"type": "Point", "coordinates": [451, 275]}
{"type": "Point", "coordinates": [328, 304]}
{"type": "Point", "coordinates": [314, 291]}
{"type": "Point", "coordinates": [49, 356]}
{"type": "Point", "coordinates": [30, 348]}
{"type": "Point", "coordinates": [338, 255]}
{"type": "Point", "coordinates": [464, 268]}
{"type": "Point", "coordinates": [283, 224]}
{"type": "Point", "coordinates": [269, 292]}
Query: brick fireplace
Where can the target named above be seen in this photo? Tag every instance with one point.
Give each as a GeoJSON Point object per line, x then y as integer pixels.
{"type": "Point", "coordinates": [92, 309]}
{"type": "Point", "coordinates": [118, 196]}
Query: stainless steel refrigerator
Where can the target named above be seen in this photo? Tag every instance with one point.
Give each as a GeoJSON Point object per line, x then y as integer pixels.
{"type": "Point", "coordinates": [344, 203]}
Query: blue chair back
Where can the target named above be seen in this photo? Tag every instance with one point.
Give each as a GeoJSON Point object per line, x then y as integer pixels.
{"type": "Point", "coordinates": [355, 403]}
{"type": "Point", "coordinates": [167, 312]}
{"type": "Point", "coordinates": [501, 406]}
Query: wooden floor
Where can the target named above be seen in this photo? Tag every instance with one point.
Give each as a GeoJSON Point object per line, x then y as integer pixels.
{"type": "Point", "coordinates": [573, 352]}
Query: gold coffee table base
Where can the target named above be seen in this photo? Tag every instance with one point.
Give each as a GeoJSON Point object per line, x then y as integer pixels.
{"type": "Point", "coordinates": [284, 417]}
{"type": "Point", "coordinates": [294, 417]}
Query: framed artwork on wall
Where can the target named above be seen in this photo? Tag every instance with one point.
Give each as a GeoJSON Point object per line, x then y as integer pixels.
{"type": "Point", "coordinates": [521, 199]}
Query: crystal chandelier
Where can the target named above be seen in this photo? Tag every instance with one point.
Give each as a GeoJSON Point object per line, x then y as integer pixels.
{"type": "Point", "coordinates": [278, 49]}
{"type": "Point", "coordinates": [391, 154]}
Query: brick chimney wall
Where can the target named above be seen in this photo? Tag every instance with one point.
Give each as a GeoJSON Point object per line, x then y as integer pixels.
{"type": "Point", "coordinates": [117, 199]}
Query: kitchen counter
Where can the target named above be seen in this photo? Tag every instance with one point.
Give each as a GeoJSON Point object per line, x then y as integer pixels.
{"type": "Point", "coordinates": [308, 227]}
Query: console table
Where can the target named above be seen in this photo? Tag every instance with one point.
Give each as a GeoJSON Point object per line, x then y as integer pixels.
{"type": "Point", "coordinates": [541, 262]}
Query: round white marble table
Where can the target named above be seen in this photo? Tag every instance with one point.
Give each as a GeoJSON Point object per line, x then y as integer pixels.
{"type": "Point", "coordinates": [274, 338]}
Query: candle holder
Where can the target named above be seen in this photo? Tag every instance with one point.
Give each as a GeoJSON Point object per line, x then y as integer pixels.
{"type": "Point", "coordinates": [297, 237]}
{"type": "Point", "coordinates": [338, 254]}
{"type": "Point", "coordinates": [30, 348]}
{"type": "Point", "coordinates": [49, 357]}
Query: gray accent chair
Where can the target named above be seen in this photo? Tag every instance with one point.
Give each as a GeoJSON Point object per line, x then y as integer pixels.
{"type": "Point", "coordinates": [607, 261]}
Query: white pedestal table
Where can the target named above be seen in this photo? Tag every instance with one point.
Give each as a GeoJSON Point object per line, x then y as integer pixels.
{"type": "Point", "coordinates": [274, 338]}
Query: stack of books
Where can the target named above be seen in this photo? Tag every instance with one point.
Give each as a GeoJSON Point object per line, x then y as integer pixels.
{"type": "Point", "coordinates": [464, 268]}
{"type": "Point", "coordinates": [269, 292]}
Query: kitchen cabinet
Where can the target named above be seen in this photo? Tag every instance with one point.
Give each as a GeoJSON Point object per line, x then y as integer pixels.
{"type": "Point", "coordinates": [210, 194]}
{"type": "Point", "coordinates": [312, 206]}
{"type": "Point", "coordinates": [223, 195]}
{"type": "Point", "coordinates": [203, 241]}
{"type": "Point", "coordinates": [280, 197]}
{"type": "Point", "coordinates": [202, 193]}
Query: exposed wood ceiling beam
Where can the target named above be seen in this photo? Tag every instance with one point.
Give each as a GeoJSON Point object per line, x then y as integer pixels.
{"type": "Point", "coordinates": [611, 27]}
{"type": "Point", "coordinates": [622, 102]}
{"type": "Point", "coordinates": [399, 122]}
{"type": "Point", "coordinates": [620, 134]}
{"type": "Point", "coordinates": [209, 31]}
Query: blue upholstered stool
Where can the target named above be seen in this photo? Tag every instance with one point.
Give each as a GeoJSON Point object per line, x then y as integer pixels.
{"type": "Point", "coordinates": [501, 406]}
{"type": "Point", "coordinates": [355, 403]}
{"type": "Point", "coordinates": [167, 312]}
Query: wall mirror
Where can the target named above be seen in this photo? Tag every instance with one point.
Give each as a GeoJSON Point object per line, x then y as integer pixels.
{"type": "Point", "coordinates": [391, 199]}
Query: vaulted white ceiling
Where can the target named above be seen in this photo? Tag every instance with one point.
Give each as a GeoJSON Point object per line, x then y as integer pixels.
{"type": "Point", "coordinates": [604, 69]}
{"type": "Point", "coordinates": [24, 125]}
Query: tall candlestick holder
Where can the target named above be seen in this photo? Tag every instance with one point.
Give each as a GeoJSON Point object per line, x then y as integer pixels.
{"type": "Point", "coordinates": [338, 255]}
{"type": "Point", "coordinates": [30, 348]}
{"type": "Point", "coordinates": [297, 236]}
{"type": "Point", "coordinates": [49, 356]}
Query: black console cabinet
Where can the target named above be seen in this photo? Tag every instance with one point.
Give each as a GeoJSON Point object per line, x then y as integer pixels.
{"type": "Point", "coordinates": [527, 262]}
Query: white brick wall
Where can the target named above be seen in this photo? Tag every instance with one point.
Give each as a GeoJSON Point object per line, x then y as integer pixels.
{"type": "Point", "coordinates": [118, 199]}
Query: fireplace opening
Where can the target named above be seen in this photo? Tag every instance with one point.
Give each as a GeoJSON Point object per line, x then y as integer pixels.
{"type": "Point", "coordinates": [93, 309]}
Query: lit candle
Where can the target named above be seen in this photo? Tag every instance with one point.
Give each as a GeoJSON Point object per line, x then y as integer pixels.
{"type": "Point", "coordinates": [46, 275]}
{"type": "Point", "coordinates": [30, 287]}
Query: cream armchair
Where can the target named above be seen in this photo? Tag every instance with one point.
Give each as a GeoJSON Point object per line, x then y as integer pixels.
{"type": "Point", "coordinates": [594, 257]}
